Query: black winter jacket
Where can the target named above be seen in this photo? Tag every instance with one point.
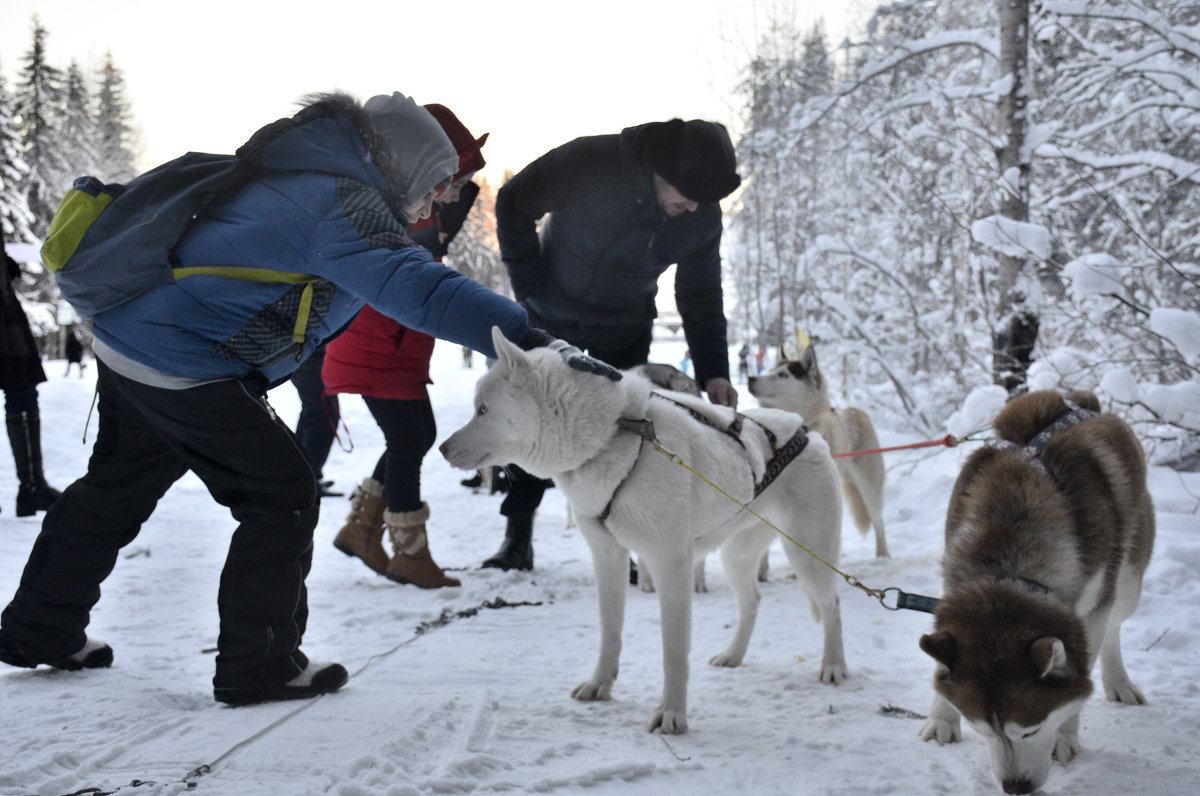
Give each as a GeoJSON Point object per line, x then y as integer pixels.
{"type": "Point", "coordinates": [593, 275]}
{"type": "Point", "coordinates": [20, 362]}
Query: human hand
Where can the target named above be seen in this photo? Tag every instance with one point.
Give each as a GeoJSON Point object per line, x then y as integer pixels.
{"type": "Point", "coordinates": [721, 392]}
{"type": "Point", "coordinates": [575, 359]}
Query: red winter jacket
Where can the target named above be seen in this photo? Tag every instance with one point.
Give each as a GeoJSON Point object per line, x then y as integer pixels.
{"type": "Point", "coordinates": [378, 357]}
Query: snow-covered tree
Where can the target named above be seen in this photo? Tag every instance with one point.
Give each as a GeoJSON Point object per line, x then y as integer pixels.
{"type": "Point", "coordinates": [78, 134]}
{"type": "Point", "coordinates": [1117, 183]}
{"type": "Point", "coordinates": [474, 250]}
{"type": "Point", "coordinates": [15, 218]}
{"type": "Point", "coordinates": [39, 107]}
{"type": "Point", "coordinates": [984, 183]}
{"type": "Point", "coordinates": [114, 144]}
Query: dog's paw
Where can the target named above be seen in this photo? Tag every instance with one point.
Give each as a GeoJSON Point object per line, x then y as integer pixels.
{"type": "Point", "coordinates": [833, 673]}
{"type": "Point", "coordinates": [1066, 746]}
{"type": "Point", "coordinates": [726, 658]}
{"type": "Point", "coordinates": [592, 691]}
{"type": "Point", "coordinates": [671, 722]}
{"type": "Point", "coordinates": [1125, 692]}
{"type": "Point", "coordinates": [942, 731]}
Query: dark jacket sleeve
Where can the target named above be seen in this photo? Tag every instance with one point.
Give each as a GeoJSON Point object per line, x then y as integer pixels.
{"type": "Point", "coordinates": [699, 298]}
{"type": "Point", "coordinates": [536, 190]}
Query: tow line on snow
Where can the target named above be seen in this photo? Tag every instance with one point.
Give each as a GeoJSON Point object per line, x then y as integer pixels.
{"type": "Point", "coordinates": [448, 616]}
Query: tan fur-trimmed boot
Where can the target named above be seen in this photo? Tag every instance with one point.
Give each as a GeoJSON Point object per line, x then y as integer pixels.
{"type": "Point", "coordinates": [412, 562]}
{"type": "Point", "coordinates": [362, 535]}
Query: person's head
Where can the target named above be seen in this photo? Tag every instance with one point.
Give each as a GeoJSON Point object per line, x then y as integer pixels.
{"type": "Point", "coordinates": [420, 160]}
{"type": "Point", "coordinates": [470, 158]}
{"type": "Point", "coordinates": [693, 163]}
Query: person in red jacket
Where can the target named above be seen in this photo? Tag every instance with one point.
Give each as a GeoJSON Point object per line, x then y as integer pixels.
{"type": "Point", "coordinates": [388, 365]}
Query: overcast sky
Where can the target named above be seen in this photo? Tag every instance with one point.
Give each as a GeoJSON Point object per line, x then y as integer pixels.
{"type": "Point", "coordinates": [204, 77]}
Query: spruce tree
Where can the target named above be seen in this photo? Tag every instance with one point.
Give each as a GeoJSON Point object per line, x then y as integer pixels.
{"type": "Point", "coordinates": [113, 133]}
{"type": "Point", "coordinates": [39, 103]}
{"type": "Point", "coordinates": [79, 131]}
{"type": "Point", "coordinates": [15, 218]}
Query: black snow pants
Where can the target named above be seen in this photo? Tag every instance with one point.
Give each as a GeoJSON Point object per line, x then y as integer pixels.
{"type": "Point", "coordinates": [146, 440]}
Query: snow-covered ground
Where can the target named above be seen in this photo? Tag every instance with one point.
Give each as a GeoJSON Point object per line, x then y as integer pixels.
{"type": "Point", "coordinates": [447, 695]}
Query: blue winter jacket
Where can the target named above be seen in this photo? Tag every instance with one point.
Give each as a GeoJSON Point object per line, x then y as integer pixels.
{"type": "Point", "coordinates": [320, 205]}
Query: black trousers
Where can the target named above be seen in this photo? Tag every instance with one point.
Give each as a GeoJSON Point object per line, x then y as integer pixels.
{"type": "Point", "coordinates": [319, 413]}
{"type": "Point", "coordinates": [409, 431]}
{"type": "Point", "coordinates": [525, 491]}
{"type": "Point", "coordinates": [146, 440]}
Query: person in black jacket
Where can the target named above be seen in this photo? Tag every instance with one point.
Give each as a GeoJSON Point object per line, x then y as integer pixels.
{"type": "Point", "coordinates": [20, 373]}
{"type": "Point", "coordinates": [618, 211]}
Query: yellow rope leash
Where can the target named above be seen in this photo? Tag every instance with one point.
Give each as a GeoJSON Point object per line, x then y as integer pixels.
{"type": "Point", "coordinates": [853, 581]}
{"type": "Point", "coordinates": [903, 599]}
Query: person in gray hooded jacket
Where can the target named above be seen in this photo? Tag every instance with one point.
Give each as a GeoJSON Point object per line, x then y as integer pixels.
{"type": "Point", "coordinates": [184, 369]}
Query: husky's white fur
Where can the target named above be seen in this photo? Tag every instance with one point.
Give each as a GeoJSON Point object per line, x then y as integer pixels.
{"type": "Point", "coordinates": [1041, 568]}
{"type": "Point", "coordinates": [799, 386]}
{"type": "Point", "coordinates": [556, 422]}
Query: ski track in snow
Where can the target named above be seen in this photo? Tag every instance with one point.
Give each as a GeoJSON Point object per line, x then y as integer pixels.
{"type": "Point", "coordinates": [482, 703]}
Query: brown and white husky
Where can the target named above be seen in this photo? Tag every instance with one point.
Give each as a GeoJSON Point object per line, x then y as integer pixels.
{"type": "Point", "coordinates": [1048, 534]}
{"type": "Point", "coordinates": [797, 385]}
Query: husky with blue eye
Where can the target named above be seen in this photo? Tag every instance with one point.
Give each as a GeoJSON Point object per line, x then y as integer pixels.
{"type": "Point", "coordinates": [1048, 534]}
{"type": "Point", "coordinates": [598, 439]}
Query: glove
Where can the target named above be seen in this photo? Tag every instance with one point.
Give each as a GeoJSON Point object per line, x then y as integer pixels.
{"type": "Point", "coordinates": [575, 359]}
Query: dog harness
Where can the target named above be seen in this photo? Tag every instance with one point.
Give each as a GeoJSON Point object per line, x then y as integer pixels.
{"type": "Point", "coordinates": [781, 457]}
{"type": "Point", "coordinates": [1032, 452]}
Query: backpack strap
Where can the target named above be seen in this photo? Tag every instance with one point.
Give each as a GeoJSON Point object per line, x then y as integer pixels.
{"type": "Point", "coordinates": [248, 274]}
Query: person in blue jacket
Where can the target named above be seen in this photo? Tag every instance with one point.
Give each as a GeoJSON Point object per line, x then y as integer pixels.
{"type": "Point", "coordinates": [184, 370]}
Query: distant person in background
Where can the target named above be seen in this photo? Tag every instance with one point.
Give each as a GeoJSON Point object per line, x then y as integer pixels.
{"type": "Point", "coordinates": [758, 359]}
{"type": "Point", "coordinates": [74, 352]}
{"type": "Point", "coordinates": [388, 365]}
{"type": "Point", "coordinates": [20, 373]}
{"type": "Point", "coordinates": [743, 362]}
{"type": "Point", "coordinates": [616, 211]}
{"type": "Point", "coordinates": [316, 426]}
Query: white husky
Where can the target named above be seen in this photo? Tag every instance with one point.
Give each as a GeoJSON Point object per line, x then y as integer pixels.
{"type": "Point", "coordinates": [589, 434]}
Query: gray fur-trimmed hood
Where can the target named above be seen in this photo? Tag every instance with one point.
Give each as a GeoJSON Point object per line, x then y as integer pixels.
{"type": "Point", "coordinates": [301, 142]}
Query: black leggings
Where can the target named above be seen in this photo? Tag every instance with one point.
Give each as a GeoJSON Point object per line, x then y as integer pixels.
{"type": "Point", "coordinates": [409, 432]}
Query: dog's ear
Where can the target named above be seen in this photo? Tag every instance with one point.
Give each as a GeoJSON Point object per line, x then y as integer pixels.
{"type": "Point", "coordinates": [808, 360]}
{"type": "Point", "coordinates": [941, 647]}
{"type": "Point", "coordinates": [1049, 657]}
{"type": "Point", "coordinates": [508, 354]}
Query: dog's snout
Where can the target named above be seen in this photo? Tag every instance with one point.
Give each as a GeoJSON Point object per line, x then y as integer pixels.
{"type": "Point", "coordinates": [1019, 785]}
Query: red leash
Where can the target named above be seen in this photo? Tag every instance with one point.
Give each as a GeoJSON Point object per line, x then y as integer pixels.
{"type": "Point", "coordinates": [949, 441]}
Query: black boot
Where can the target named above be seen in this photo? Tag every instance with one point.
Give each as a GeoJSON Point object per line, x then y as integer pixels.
{"type": "Point", "coordinates": [516, 551]}
{"type": "Point", "coordinates": [25, 435]}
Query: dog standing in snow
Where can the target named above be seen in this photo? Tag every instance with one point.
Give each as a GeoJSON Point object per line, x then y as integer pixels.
{"type": "Point", "coordinates": [595, 438]}
{"type": "Point", "coordinates": [1048, 534]}
{"type": "Point", "coordinates": [799, 386]}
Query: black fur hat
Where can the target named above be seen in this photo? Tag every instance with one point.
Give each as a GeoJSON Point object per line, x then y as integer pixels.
{"type": "Point", "coordinates": [696, 157]}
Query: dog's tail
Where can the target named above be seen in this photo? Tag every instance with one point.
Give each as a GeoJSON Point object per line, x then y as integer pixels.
{"type": "Point", "coordinates": [858, 508]}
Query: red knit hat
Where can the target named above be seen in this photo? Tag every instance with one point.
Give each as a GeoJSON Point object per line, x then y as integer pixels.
{"type": "Point", "coordinates": [470, 159]}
